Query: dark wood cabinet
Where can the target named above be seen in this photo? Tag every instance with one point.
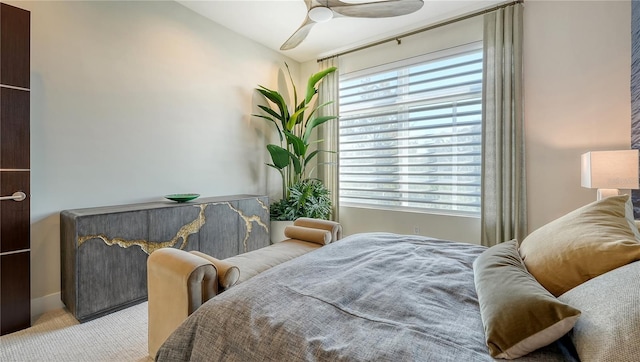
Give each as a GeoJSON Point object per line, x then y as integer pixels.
{"type": "Point", "coordinates": [15, 46]}
{"type": "Point", "coordinates": [14, 276]}
{"type": "Point", "coordinates": [15, 294]}
{"type": "Point", "coordinates": [15, 232]}
{"type": "Point", "coordinates": [14, 130]}
{"type": "Point", "coordinates": [104, 250]}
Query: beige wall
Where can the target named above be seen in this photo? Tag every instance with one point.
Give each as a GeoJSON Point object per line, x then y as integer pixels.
{"type": "Point", "coordinates": [135, 100]}
{"type": "Point", "coordinates": [577, 98]}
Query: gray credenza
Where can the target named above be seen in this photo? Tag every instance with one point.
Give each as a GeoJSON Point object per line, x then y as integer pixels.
{"type": "Point", "coordinates": [104, 250]}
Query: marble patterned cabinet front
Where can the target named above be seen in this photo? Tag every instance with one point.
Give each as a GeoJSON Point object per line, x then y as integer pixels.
{"type": "Point", "coordinates": [104, 250]}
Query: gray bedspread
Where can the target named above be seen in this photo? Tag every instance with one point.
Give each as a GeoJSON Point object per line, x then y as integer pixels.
{"type": "Point", "coordinates": [367, 297]}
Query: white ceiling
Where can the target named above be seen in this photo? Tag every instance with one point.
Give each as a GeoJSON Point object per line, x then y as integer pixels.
{"type": "Point", "coordinates": [271, 22]}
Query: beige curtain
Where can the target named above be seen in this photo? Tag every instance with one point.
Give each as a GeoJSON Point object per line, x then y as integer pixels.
{"type": "Point", "coordinates": [328, 132]}
{"type": "Point", "coordinates": [504, 209]}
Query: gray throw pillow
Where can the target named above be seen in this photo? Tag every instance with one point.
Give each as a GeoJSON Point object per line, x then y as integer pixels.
{"type": "Point", "coordinates": [609, 328]}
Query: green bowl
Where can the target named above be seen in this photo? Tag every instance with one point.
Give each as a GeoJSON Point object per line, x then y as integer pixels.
{"type": "Point", "coordinates": [182, 197]}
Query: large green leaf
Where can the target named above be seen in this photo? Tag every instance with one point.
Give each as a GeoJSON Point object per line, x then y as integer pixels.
{"type": "Point", "coordinates": [293, 85]}
{"type": "Point", "coordinates": [271, 112]}
{"type": "Point", "coordinates": [265, 117]}
{"type": "Point", "coordinates": [313, 123]}
{"type": "Point", "coordinates": [281, 118]}
{"type": "Point", "coordinates": [301, 106]}
{"type": "Point", "coordinates": [279, 156]}
{"type": "Point", "coordinates": [293, 120]}
{"type": "Point", "coordinates": [272, 95]}
{"type": "Point", "coordinates": [297, 167]}
{"type": "Point", "coordinates": [299, 147]}
{"type": "Point", "coordinates": [277, 99]}
{"type": "Point", "coordinates": [315, 109]}
{"type": "Point", "coordinates": [320, 106]}
{"type": "Point", "coordinates": [313, 80]}
{"type": "Point", "coordinates": [314, 153]}
{"type": "Point", "coordinates": [311, 156]}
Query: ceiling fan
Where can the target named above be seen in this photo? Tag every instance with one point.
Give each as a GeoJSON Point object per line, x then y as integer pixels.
{"type": "Point", "coordinates": [320, 11]}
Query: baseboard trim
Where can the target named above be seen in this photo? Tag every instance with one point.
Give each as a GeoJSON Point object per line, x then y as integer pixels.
{"type": "Point", "coordinates": [41, 305]}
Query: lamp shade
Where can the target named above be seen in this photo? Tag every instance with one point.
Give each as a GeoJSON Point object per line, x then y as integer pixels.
{"type": "Point", "coordinates": [610, 169]}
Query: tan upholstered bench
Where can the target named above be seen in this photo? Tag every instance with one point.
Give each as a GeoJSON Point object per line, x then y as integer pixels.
{"type": "Point", "coordinates": [179, 282]}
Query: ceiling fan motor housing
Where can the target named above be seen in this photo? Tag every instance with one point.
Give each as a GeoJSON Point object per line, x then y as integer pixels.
{"type": "Point", "coordinates": [320, 11]}
{"type": "Point", "coordinates": [320, 14]}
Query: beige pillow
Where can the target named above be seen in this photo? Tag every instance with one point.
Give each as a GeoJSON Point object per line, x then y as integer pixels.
{"type": "Point", "coordinates": [609, 327]}
{"type": "Point", "coordinates": [228, 274]}
{"type": "Point", "coordinates": [581, 245]}
{"type": "Point", "coordinates": [318, 236]}
{"type": "Point", "coordinates": [518, 314]}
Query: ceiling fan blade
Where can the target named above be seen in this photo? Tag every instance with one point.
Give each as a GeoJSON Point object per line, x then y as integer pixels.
{"type": "Point", "coordinates": [299, 35]}
{"type": "Point", "coordinates": [380, 9]}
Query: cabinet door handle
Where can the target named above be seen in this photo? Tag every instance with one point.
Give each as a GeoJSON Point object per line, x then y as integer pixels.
{"type": "Point", "coordinates": [17, 196]}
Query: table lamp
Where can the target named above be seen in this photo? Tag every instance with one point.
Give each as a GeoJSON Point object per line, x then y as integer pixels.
{"type": "Point", "coordinates": [609, 171]}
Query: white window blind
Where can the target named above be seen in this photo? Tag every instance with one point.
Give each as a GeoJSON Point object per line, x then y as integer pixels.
{"type": "Point", "coordinates": [410, 133]}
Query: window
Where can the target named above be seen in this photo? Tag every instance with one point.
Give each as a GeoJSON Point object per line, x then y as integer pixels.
{"type": "Point", "coordinates": [410, 133]}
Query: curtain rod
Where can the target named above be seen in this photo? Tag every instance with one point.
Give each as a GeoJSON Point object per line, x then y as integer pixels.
{"type": "Point", "coordinates": [430, 27]}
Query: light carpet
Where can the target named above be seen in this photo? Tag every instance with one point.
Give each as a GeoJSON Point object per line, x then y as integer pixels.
{"type": "Point", "coordinates": [57, 336]}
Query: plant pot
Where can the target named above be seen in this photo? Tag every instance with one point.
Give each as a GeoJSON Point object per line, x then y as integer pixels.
{"type": "Point", "coordinates": [276, 232]}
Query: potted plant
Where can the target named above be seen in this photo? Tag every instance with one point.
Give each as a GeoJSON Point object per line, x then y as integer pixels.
{"type": "Point", "coordinates": [294, 126]}
{"type": "Point", "coordinates": [307, 198]}
{"type": "Point", "coordinates": [291, 157]}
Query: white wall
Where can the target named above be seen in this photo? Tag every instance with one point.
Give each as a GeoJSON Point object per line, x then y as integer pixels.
{"type": "Point", "coordinates": [135, 100]}
{"type": "Point", "coordinates": [577, 68]}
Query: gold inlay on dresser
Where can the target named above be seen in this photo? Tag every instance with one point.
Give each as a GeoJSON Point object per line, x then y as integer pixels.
{"type": "Point", "coordinates": [183, 234]}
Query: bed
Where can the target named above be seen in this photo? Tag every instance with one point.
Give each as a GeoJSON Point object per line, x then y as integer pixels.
{"type": "Point", "coordinates": [389, 297]}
